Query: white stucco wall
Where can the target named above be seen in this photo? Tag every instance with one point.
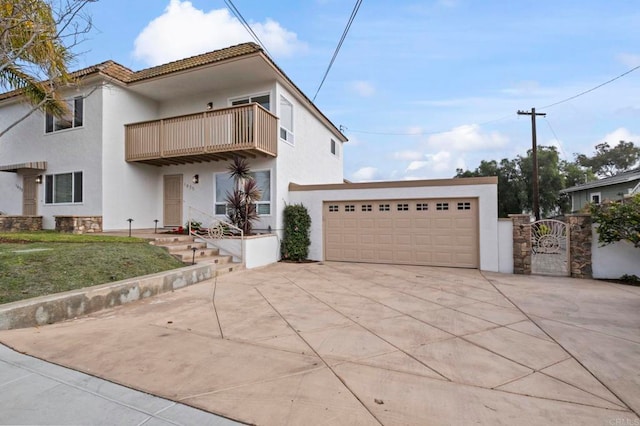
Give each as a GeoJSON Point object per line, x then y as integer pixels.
{"type": "Point", "coordinates": [130, 190]}
{"type": "Point", "coordinates": [505, 246]}
{"type": "Point", "coordinates": [614, 260]}
{"type": "Point", "coordinates": [487, 195]}
{"type": "Point", "coordinates": [65, 151]}
{"type": "Point", "coordinates": [309, 160]}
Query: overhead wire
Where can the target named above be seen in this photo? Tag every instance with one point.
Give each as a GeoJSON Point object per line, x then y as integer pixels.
{"type": "Point", "coordinates": [354, 12]}
{"type": "Point", "coordinates": [246, 25]}
{"type": "Point", "coordinates": [506, 116]}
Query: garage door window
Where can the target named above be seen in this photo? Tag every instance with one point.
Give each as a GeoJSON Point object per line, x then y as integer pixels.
{"type": "Point", "coordinates": [333, 209]}
{"type": "Point", "coordinates": [464, 206]}
{"type": "Point", "coordinates": [384, 207]}
{"type": "Point", "coordinates": [350, 208]}
{"type": "Point", "coordinates": [366, 207]}
{"type": "Point", "coordinates": [403, 207]}
{"type": "Point", "coordinates": [442, 206]}
{"type": "Point", "coordinates": [422, 207]}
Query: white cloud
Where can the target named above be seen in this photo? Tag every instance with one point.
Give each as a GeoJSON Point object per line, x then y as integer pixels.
{"type": "Point", "coordinates": [408, 155]}
{"type": "Point", "coordinates": [620, 134]}
{"type": "Point", "coordinates": [629, 59]}
{"type": "Point", "coordinates": [363, 88]}
{"type": "Point", "coordinates": [183, 31]}
{"type": "Point", "coordinates": [468, 137]}
{"type": "Point", "coordinates": [365, 173]}
{"type": "Point", "coordinates": [434, 163]}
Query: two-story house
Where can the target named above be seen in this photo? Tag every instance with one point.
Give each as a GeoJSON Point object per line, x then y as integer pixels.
{"type": "Point", "coordinates": [155, 145]}
{"type": "Point", "coordinates": [617, 187]}
{"type": "Point", "coordinates": [146, 145]}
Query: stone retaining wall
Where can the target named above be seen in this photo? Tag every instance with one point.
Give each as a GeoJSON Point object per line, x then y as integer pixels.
{"type": "Point", "coordinates": [79, 224]}
{"type": "Point", "coordinates": [20, 223]}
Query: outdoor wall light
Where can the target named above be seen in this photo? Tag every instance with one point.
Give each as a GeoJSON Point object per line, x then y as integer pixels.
{"type": "Point", "coordinates": [210, 105]}
{"type": "Point", "coordinates": [39, 179]}
{"type": "Point", "coordinates": [196, 179]}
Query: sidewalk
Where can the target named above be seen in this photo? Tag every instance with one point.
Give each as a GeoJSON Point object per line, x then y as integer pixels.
{"type": "Point", "coordinates": [37, 392]}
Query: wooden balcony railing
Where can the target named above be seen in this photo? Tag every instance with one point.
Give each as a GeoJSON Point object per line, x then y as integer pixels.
{"type": "Point", "coordinates": [208, 136]}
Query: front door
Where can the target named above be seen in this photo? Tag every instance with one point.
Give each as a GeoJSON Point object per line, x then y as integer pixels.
{"type": "Point", "coordinates": [29, 195]}
{"type": "Point", "coordinates": [172, 200]}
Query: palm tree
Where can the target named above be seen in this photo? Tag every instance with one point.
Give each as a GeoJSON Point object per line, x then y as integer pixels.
{"type": "Point", "coordinates": [242, 208]}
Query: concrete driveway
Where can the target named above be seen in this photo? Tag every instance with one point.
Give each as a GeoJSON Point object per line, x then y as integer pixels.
{"type": "Point", "coordinates": [342, 343]}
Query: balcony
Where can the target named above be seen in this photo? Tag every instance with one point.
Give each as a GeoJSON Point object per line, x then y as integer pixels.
{"type": "Point", "coordinates": [245, 130]}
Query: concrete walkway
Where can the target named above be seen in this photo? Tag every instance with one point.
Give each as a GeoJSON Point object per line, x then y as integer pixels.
{"type": "Point", "coordinates": [341, 343]}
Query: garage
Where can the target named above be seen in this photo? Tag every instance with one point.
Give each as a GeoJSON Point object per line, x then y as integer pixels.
{"type": "Point", "coordinates": [429, 232]}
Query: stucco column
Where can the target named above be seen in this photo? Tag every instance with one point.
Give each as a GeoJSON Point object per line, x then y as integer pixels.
{"type": "Point", "coordinates": [580, 236]}
{"type": "Point", "coordinates": [521, 243]}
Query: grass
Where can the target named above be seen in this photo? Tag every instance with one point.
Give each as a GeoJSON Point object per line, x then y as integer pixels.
{"type": "Point", "coordinates": [39, 263]}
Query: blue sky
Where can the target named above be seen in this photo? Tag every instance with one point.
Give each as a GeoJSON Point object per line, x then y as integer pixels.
{"type": "Point", "coordinates": [421, 87]}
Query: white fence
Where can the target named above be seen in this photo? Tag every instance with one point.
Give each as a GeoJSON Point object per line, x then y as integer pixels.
{"type": "Point", "coordinates": [614, 260]}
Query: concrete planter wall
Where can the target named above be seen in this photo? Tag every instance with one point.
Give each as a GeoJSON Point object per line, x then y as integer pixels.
{"type": "Point", "coordinates": [257, 250]}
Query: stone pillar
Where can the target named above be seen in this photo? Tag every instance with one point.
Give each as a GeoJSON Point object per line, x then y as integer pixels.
{"type": "Point", "coordinates": [580, 236]}
{"type": "Point", "coordinates": [521, 243]}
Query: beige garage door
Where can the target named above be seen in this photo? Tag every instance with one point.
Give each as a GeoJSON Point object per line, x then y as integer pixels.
{"type": "Point", "coordinates": [432, 232]}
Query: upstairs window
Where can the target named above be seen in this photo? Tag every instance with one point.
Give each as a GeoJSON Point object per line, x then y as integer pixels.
{"type": "Point", "coordinates": [262, 100]}
{"type": "Point", "coordinates": [63, 188]}
{"type": "Point", "coordinates": [334, 147]}
{"type": "Point", "coordinates": [286, 120]}
{"type": "Point", "coordinates": [74, 117]}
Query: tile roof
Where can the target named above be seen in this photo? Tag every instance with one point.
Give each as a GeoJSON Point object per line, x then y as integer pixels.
{"type": "Point", "coordinates": [196, 61]}
{"type": "Point", "coordinates": [628, 176]}
{"type": "Point", "coordinates": [125, 75]}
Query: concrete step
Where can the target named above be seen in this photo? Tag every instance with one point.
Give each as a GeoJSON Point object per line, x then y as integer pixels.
{"type": "Point", "coordinates": [169, 239]}
{"type": "Point", "coordinates": [182, 246]}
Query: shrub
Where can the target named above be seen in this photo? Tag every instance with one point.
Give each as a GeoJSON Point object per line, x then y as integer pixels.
{"type": "Point", "coordinates": [618, 221]}
{"type": "Point", "coordinates": [296, 241]}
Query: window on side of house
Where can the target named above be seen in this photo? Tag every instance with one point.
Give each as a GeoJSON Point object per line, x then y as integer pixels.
{"type": "Point", "coordinates": [286, 120]}
{"type": "Point", "coordinates": [224, 185]}
{"type": "Point", "coordinates": [73, 119]}
{"type": "Point", "coordinates": [63, 188]}
{"type": "Point", "coordinates": [334, 148]}
{"type": "Point", "coordinates": [595, 197]}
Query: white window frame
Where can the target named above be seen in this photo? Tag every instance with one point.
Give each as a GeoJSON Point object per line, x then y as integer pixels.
{"type": "Point", "coordinates": [250, 97]}
{"type": "Point", "coordinates": [269, 203]}
{"type": "Point", "coordinates": [284, 133]}
{"type": "Point", "coordinates": [52, 178]}
{"type": "Point", "coordinates": [595, 194]}
{"type": "Point", "coordinates": [73, 117]}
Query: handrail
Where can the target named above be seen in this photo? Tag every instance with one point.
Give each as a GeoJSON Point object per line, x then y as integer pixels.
{"type": "Point", "coordinates": [215, 230]}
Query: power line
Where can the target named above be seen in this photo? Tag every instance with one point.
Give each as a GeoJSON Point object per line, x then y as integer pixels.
{"type": "Point", "coordinates": [592, 89]}
{"type": "Point", "coordinates": [244, 23]}
{"type": "Point", "coordinates": [356, 7]}
{"type": "Point", "coordinates": [506, 116]}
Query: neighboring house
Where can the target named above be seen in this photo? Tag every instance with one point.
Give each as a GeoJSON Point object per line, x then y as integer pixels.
{"type": "Point", "coordinates": [611, 188]}
{"type": "Point", "coordinates": [153, 144]}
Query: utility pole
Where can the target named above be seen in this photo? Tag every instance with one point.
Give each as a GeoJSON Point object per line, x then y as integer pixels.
{"type": "Point", "coordinates": [536, 192]}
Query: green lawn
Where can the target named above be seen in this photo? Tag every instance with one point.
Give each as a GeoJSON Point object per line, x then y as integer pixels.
{"type": "Point", "coordinates": [39, 263]}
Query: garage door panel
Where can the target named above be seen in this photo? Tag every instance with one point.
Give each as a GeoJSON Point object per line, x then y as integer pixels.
{"type": "Point", "coordinates": [438, 232]}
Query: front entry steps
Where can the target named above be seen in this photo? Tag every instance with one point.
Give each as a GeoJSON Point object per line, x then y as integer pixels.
{"type": "Point", "coordinates": [182, 247]}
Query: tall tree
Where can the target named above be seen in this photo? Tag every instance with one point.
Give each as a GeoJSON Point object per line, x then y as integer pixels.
{"type": "Point", "coordinates": [550, 179]}
{"type": "Point", "coordinates": [607, 161]}
{"type": "Point", "coordinates": [36, 41]}
{"type": "Point", "coordinates": [511, 194]}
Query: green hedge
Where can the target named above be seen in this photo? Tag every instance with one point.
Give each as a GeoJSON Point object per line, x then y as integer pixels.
{"type": "Point", "coordinates": [296, 241]}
